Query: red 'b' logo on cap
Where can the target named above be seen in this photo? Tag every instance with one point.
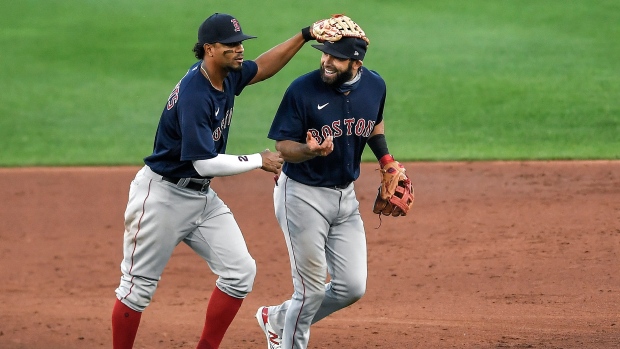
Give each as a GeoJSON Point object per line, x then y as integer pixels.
{"type": "Point", "coordinates": [236, 25]}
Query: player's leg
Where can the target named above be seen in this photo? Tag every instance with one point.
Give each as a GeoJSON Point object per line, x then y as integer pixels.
{"type": "Point", "coordinates": [126, 319]}
{"type": "Point", "coordinates": [220, 242]}
{"type": "Point", "coordinates": [346, 259]}
{"type": "Point", "coordinates": [304, 214]}
{"type": "Point", "coordinates": [157, 217]}
{"type": "Point", "coordinates": [125, 322]}
{"type": "Point", "coordinates": [346, 255]}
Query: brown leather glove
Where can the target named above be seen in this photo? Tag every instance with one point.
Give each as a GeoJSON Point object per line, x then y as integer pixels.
{"type": "Point", "coordinates": [395, 195]}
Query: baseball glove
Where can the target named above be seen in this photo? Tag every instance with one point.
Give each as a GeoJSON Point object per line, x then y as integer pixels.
{"type": "Point", "coordinates": [395, 195]}
{"type": "Point", "coordinates": [335, 28]}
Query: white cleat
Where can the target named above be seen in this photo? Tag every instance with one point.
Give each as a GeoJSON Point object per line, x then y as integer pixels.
{"type": "Point", "coordinates": [273, 340]}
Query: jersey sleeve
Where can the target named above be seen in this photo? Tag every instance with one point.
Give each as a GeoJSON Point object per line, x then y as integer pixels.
{"type": "Point", "coordinates": [380, 114]}
{"type": "Point", "coordinates": [196, 140]}
{"type": "Point", "coordinates": [249, 69]}
{"type": "Point", "coordinates": [383, 86]}
{"type": "Point", "coordinates": [287, 123]}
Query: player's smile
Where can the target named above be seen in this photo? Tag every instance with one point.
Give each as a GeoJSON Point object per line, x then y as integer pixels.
{"type": "Point", "coordinates": [328, 72]}
{"type": "Point", "coordinates": [332, 75]}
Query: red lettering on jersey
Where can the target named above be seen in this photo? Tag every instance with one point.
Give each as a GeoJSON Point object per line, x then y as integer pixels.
{"type": "Point", "coordinates": [226, 120]}
{"type": "Point", "coordinates": [326, 131]}
{"type": "Point", "coordinates": [174, 97]}
{"type": "Point", "coordinates": [217, 133]}
{"type": "Point", "coordinates": [370, 125]}
{"type": "Point", "coordinates": [349, 124]}
{"type": "Point", "coordinates": [315, 134]}
{"type": "Point", "coordinates": [229, 114]}
{"type": "Point", "coordinates": [363, 128]}
{"type": "Point", "coordinates": [337, 129]}
{"type": "Point", "coordinates": [359, 127]}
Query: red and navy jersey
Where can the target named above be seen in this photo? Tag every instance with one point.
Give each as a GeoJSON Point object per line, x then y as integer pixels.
{"type": "Point", "coordinates": [195, 122]}
{"type": "Point", "coordinates": [311, 105]}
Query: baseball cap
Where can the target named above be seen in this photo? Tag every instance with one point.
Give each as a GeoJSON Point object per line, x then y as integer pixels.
{"type": "Point", "coordinates": [345, 48]}
{"type": "Point", "coordinates": [222, 28]}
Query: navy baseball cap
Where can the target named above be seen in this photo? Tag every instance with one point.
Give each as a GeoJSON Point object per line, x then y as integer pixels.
{"type": "Point", "coordinates": [345, 48]}
{"type": "Point", "coordinates": [222, 28]}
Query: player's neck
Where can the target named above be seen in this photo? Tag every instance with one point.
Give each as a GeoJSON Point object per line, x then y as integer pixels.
{"type": "Point", "coordinates": [350, 85]}
{"type": "Point", "coordinates": [217, 84]}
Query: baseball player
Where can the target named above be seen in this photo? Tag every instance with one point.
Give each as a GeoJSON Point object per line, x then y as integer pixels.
{"type": "Point", "coordinates": [170, 199]}
{"type": "Point", "coordinates": [321, 127]}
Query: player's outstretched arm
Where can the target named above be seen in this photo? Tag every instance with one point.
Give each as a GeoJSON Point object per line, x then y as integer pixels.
{"type": "Point", "coordinates": [272, 61]}
{"type": "Point", "coordinates": [297, 152]}
{"type": "Point", "coordinates": [331, 29]}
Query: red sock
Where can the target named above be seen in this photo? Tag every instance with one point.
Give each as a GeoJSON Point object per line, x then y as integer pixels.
{"type": "Point", "coordinates": [221, 311]}
{"type": "Point", "coordinates": [125, 323]}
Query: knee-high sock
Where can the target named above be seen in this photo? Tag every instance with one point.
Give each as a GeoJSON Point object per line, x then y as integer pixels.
{"type": "Point", "coordinates": [221, 311]}
{"type": "Point", "coordinates": [125, 322]}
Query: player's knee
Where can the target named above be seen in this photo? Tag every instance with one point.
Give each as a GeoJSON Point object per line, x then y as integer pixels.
{"type": "Point", "coordinates": [238, 283]}
{"type": "Point", "coordinates": [136, 292]}
{"type": "Point", "coordinates": [355, 292]}
{"type": "Point", "coordinates": [351, 293]}
{"type": "Point", "coordinates": [248, 273]}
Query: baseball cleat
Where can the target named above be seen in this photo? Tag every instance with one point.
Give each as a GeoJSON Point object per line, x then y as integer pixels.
{"type": "Point", "coordinates": [273, 340]}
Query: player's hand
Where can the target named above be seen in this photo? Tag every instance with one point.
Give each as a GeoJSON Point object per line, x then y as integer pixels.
{"type": "Point", "coordinates": [317, 149]}
{"type": "Point", "coordinates": [272, 161]}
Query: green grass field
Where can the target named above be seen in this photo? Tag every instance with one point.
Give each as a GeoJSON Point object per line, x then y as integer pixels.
{"type": "Point", "coordinates": [84, 82]}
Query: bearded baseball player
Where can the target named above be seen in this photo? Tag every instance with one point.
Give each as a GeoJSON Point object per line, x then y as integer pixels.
{"type": "Point", "coordinates": [321, 127]}
{"type": "Point", "coordinates": [170, 198]}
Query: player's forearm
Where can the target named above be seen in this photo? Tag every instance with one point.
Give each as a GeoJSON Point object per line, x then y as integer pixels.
{"type": "Point", "coordinates": [227, 165]}
{"type": "Point", "coordinates": [272, 61]}
{"type": "Point", "coordinates": [377, 143]}
{"type": "Point", "coordinates": [294, 152]}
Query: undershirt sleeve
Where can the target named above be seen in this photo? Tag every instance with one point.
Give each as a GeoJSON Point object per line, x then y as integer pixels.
{"type": "Point", "coordinates": [227, 165]}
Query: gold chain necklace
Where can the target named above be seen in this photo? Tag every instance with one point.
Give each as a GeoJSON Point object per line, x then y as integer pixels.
{"type": "Point", "coordinates": [208, 78]}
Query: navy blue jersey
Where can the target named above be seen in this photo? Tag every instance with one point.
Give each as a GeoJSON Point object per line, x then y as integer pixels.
{"type": "Point", "coordinates": [311, 105]}
{"type": "Point", "coordinates": [195, 122]}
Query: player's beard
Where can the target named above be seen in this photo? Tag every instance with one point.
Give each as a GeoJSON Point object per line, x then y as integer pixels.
{"type": "Point", "coordinates": [340, 78]}
{"type": "Point", "coordinates": [235, 68]}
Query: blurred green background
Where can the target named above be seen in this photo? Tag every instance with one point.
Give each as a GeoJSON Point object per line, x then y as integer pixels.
{"type": "Point", "coordinates": [84, 82]}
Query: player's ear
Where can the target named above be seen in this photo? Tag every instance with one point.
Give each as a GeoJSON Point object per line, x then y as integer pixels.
{"type": "Point", "coordinates": [208, 49]}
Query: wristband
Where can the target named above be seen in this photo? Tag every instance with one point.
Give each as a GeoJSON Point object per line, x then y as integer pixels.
{"type": "Point", "coordinates": [305, 32]}
{"type": "Point", "coordinates": [386, 159]}
{"type": "Point", "coordinates": [378, 145]}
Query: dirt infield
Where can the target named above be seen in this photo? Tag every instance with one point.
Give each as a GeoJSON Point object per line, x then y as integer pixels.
{"type": "Point", "coordinates": [494, 255]}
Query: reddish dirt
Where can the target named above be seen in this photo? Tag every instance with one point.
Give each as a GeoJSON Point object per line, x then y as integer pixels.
{"type": "Point", "coordinates": [494, 255]}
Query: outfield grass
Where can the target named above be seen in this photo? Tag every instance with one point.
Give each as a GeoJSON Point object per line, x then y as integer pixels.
{"type": "Point", "coordinates": [84, 82]}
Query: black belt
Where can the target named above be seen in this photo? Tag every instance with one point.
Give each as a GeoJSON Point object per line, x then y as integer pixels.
{"type": "Point", "coordinates": [190, 185]}
{"type": "Point", "coordinates": [342, 186]}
